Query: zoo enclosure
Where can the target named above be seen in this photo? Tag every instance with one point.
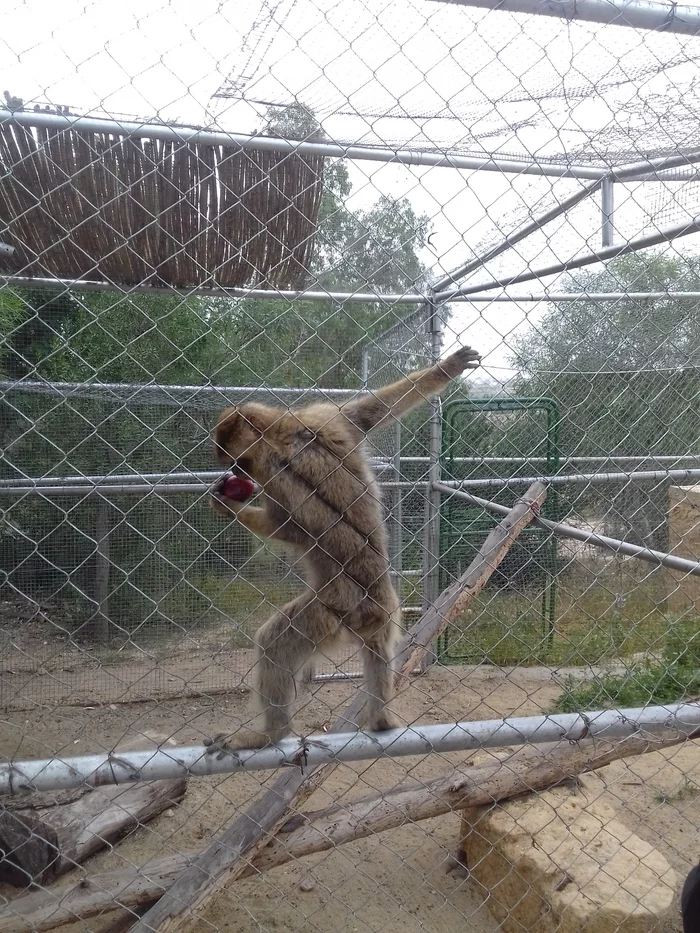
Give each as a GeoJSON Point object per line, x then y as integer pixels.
{"type": "Point", "coordinates": [130, 544]}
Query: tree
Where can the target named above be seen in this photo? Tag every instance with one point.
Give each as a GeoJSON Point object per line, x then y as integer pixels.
{"type": "Point", "coordinates": [624, 373]}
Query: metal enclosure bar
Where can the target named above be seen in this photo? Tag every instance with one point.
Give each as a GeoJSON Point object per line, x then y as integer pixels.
{"type": "Point", "coordinates": [214, 291]}
{"type": "Point", "coordinates": [631, 246]}
{"type": "Point", "coordinates": [431, 527]}
{"type": "Point", "coordinates": [639, 14]}
{"type": "Point", "coordinates": [607, 208]}
{"type": "Point", "coordinates": [25, 777]}
{"type": "Point", "coordinates": [535, 224]}
{"type": "Point", "coordinates": [593, 479]}
{"type": "Point", "coordinates": [19, 281]}
{"type": "Point", "coordinates": [193, 135]}
{"type": "Point", "coordinates": [578, 296]}
{"type": "Point", "coordinates": [587, 537]}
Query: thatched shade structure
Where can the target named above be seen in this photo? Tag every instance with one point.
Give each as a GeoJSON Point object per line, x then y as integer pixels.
{"type": "Point", "coordinates": [124, 209]}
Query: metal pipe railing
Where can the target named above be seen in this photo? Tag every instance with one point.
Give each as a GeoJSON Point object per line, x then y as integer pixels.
{"type": "Point", "coordinates": [586, 537]}
{"type": "Point", "coordinates": [24, 777]}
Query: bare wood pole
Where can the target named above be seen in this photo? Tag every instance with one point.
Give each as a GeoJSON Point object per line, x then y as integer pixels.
{"type": "Point", "coordinates": [222, 861]}
{"type": "Point", "coordinates": [528, 769]}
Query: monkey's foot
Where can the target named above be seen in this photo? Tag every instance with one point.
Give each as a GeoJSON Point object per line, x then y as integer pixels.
{"type": "Point", "coordinates": [222, 744]}
{"type": "Point", "coordinates": [384, 721]}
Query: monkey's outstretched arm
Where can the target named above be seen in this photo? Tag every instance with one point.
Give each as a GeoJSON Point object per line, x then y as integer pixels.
{"type": "Point", "coordinates": [377, 409]}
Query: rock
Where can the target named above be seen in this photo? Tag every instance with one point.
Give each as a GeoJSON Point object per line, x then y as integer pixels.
{"type": "Point", "coordinates": [307, 884]}
{"type": "Point", "coordinates": [561, 861]}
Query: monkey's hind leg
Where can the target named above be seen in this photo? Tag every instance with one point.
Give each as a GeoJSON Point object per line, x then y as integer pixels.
{"type": "Point", "coordinates": [286, 644]}
{"type": "Point", "coordinates": [379, 656]}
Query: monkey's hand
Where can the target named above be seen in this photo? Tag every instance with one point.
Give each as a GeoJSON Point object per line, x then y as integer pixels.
{"type": "Point", "coordinates": [222, 744]}
{"type": "Point", "coordinates": [229, 508]}
{"type": "Point", "coordinates": [464, 358]}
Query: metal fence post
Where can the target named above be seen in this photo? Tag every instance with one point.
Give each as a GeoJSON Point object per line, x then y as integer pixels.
{"type": "Point", "coordinates": [431, 527]}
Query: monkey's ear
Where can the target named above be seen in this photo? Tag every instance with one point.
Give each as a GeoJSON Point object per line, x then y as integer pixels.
{"type": "Point", "coordinates": [257, 418]}
{"type": "Point", "coordinates": [226, 427]}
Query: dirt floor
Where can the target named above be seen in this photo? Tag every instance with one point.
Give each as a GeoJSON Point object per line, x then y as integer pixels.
{"type": "Point", "coordinates": [402, 881]}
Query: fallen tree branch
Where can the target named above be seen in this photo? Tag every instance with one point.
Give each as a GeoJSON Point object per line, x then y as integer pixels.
{"type": "Point", "coordinates": [39, 843]}
{"type": "Point", "coordinates": [222, 861]}
{"type": "Point", "coordinates": [529, 769]}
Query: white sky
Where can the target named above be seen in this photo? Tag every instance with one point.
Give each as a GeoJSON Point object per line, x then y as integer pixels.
{"type": "Point", "coordinates": [153, 58]}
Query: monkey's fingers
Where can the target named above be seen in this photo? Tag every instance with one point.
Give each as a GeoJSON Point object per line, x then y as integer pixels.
{"type": "Point", "coordinates": [467, 355]}
{"type": "Point", "coordinates": [457, 362]}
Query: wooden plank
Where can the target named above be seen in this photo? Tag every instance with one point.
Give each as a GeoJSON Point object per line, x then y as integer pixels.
{"type": "Point", "coordinates": [529, 769]}
{"type": "Point", "coordinates": [221, 862]}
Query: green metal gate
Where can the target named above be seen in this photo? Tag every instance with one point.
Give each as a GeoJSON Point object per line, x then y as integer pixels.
{"type": "Point", "coordinates": [491, 438]}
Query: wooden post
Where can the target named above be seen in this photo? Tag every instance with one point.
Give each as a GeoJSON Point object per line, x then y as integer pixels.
{"type": "Point", "coordinates": [222, 861]}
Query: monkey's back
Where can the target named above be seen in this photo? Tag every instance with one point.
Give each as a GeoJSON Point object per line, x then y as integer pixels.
{"type": "Point", "coordinates": [325, 496]}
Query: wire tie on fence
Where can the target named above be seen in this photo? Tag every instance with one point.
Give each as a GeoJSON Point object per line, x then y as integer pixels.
{"type": "Point", "coordinates": [532, 504]}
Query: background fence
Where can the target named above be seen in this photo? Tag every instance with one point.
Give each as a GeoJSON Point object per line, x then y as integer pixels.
{"type": "Point", "coordinates": [294, 200]}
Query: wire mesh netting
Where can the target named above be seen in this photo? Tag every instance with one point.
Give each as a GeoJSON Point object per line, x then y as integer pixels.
{"type": "Point", "coordinates": [281, 208]}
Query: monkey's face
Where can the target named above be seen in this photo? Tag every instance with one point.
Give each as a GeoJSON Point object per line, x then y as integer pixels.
{"type": "Point", "coordinates": [238, 441]}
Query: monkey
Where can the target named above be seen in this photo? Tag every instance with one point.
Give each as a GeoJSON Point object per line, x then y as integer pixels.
{"type": "Point", "coordinates": [320, 496]}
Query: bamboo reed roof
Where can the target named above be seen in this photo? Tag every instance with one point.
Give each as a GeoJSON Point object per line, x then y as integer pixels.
{"type": "Point", "coordinates": [99, 206]}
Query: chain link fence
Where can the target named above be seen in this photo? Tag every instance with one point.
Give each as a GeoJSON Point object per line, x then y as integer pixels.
{"type": "Point", "coordinates": [293, 202]}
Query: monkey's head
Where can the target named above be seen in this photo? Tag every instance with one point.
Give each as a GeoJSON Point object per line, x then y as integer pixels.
{"type": "Point", "coordinates": [239, 439]}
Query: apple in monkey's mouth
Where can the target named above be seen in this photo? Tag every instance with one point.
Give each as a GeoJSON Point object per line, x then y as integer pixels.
{"type": "Point", "coordinates": [237, 488]}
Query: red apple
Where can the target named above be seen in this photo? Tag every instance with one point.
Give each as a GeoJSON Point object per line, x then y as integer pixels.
{"type": "Point", "coordinates": [238, 488]}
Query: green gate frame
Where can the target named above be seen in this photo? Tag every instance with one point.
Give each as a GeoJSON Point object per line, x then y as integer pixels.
{"type": "Point", "coordinates": [552, 459]}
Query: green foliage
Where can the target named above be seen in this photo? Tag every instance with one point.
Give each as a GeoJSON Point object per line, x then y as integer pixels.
{"type": "Point", "coordinates": [668, 680]}
{"type": "Point", "coordinates": [626, 377]}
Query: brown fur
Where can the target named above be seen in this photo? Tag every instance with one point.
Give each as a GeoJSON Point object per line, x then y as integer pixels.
{"type": "Point", "coordinates": [320, 496]}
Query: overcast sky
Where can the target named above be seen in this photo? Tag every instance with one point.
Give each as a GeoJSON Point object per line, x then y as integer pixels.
{"type": "Point", "coordinates": [495, 72]}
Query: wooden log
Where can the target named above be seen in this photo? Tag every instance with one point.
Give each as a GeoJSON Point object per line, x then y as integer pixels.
{"type": "Point", "coordinates": [39, 842]}
{"type": "Point", "coordinates": [222, 861]}
{"type": "Point", "coordinates": [528, 770]}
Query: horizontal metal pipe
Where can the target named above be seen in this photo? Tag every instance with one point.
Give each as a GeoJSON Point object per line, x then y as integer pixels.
{"type": "Point", "coordinates": [589, 479]}
{"type": "Point", "coordinates": [577, 296]}
{"type": "Point", "coordinates": [518, 235]}
{"type": "Point", "coordinates": [610, 252]}
{"type": "Point", "coordinates": [98, 770]}
{"type": "Point", "coordinates": [137, 489]}
{"type": "Point", "coordinates": [587, 537]}
{"type": "Point", "coordinates": [635, 458]}
{"type": "Point", "coordinates": [187, 134]}
{"type": "Point", "coordinates": [218, 291]}
{"type": "Point", "coordinates": [346, 675]}
{"type": "Point", "coordinates": [639, 14]}
{"type": "Point", "coordinates": [134, 388]}
{"type": "Point", "coordinates": [19, 281]}
{"type": "Point", "coordinates": [207, 476]}
{"type": "Point", "coordinates": [144, 489]}
{"type": "Point", "coordinates": [136, 484]}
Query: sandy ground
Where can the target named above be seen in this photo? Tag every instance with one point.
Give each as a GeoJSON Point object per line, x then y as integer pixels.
{"type": "Point", "coordinates": [399, 882]}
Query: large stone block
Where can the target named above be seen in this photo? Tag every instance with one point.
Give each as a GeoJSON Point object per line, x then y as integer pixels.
{"type": "Point", "coordinates": [557, 862]}
{"type": "Point", "coordinates": [684, 541]}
